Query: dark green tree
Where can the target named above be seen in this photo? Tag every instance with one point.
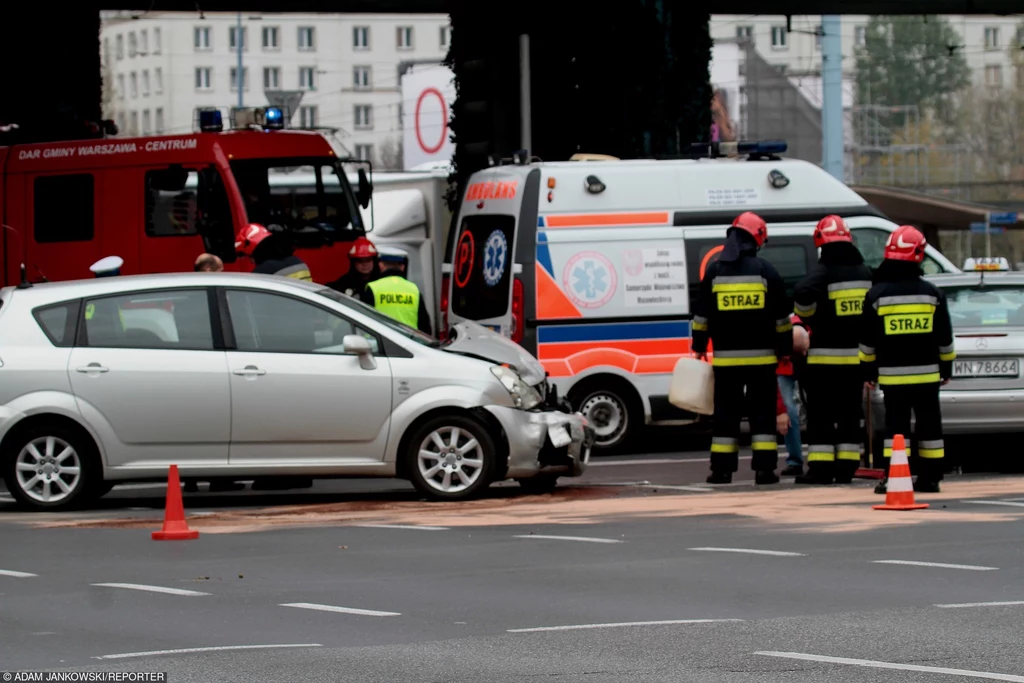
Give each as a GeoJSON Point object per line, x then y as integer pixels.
{"type": "Point", "coordinates": [911, 61]}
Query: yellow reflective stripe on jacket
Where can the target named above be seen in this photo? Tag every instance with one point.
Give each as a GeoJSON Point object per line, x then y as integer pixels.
{"type": "Point", "coordinates": [821, 453]}
{"type": "Point", "coordinates": [848, 451]}
{"type": "Point", "coordinates": [947, 353]}
{"type": "Point", "coordinates": [700, 323]}
{"type": "Point", "coordinates": [299, 271]}
{"type": "Point", "coordinates": [739, 358]}
{"type": "Point", "coordinates": [833, 357]}
{"type": "Point", "coordinates": [724, 444]}
{"type": "Point", "coordinates": [764, 442]}
{"type": "Point", "coordinates": [932, 449]}
{"type": "Point", "coordinates": [849, 296]}
{"type": "Point", "coordinates": [912, 374]}
{"type": "Point", "coordinates": [866, 354]}
{"type": "Point", "coordinates": [90, 311]}
{"type": "Point", "coordinates": [912, 303]}
{"type": "Point", "coordinates": [739, 292]}
{"type": "Point", "coordinates": [783, 325]}
{"type": "Point", "coordinates": [805, 311]}
{"type": "Point", "coordinates": [397, 298]}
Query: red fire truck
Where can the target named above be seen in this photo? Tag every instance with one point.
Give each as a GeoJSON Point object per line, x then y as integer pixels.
{"type": "Point", "coordinates": [159, 202]}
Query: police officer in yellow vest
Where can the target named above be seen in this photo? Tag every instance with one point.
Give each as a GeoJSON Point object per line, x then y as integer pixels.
{"type": "Point", "coordinates": [393, 295]}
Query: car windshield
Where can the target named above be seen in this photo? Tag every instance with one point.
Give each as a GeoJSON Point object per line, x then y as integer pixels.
{"type": "Point", "coordinates": [325, 203]}
{"type": "Point", "coordinates": [975, 306]}
{"type": "Point", "coordinates": [371, 312]}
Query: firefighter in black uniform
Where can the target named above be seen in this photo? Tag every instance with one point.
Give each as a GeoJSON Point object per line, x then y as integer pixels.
{"type": "Point", "coordinates": [743, 310]}
{"type": "Point", "coordinates": [829, 302]}
{"type": "Point", "coordinates": [906, 346]}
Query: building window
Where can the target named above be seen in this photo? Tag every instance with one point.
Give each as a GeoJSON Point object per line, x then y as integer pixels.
{"type": "Point", "coordinates": [993, 75]}
{"type": "Point", "coordinates": [158, 78]}
{"type": "Point", "coordinates": [860, 36]}
{"type": "Point", "coordinates": [122, 125]}
{"type": "Point", "coordinates": [134, 80]}
{"type": "Point", "coordinates": [144, 42]}
{"type": "Point", "coordinates": [270, 38]}
{"type": "Point", "coordinates": [446, 36]}
{"type": "Point", "coordinates": [819, 32]}
{"type": "Point", "coordinates": [203, 78]}
{"type": "Point", "coordinates": [307, 78]}
{"type": "Point", "coordinates": [401, 116]}
{"type": "Point", "coordinates": [779, 38]}
{"type": "Point", "coordinates": [991, 37]}
{"type": "Point", "coordinates": [364, 152]}
{"type": "Point", "coordinates": [156, 41]}
{"type": "Point", "coordinates": [233, 38]}
{"type": "Point", "coordinates": [234, 78]}
{"type": "Point", "coordinates": [271, 78]}
{"type": "Point", "coordinates": [361, 77]}
{"type": "Point", "coordinates": [404, 37]}
{"type": "Point", "coordinates": [120, 47]}
{"type": "Point", "coordinates": [308, 117]}
{"type": "Point", "coordinates": [133, 125]}
{"type": "Point", "coordinates": [63, 208]}
{"type": "Point", "coordinates": [307, 38]}
{"type": "Point", "coordinates": [201, 37]}
{"type": "Point", "coordinates": [121, 92]}
{"type": "Point", "coordinates": [745, 32]}
{"type": "Point", "coordinates": [145, 83]}
{"type": "Point", "coordinates": [360, 37]}
{"type": "Point", "coordinates": [146, 129]}
{"type": "Point", "coordinates": [159, 121]}
{"type": "Point", "coordinates": [364, 116]}
{"type": "Point", "coordinates": [106, 50]}
{"type": "Point", "coordinates": [133, 45]}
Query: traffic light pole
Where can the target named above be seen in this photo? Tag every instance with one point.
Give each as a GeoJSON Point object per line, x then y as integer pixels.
{"type": "Point", "coordinates": [525, 107]}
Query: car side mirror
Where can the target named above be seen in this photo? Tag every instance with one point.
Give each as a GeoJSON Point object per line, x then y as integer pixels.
{"type": "Point", "coordinates": [360, 346]}
{"type": "Point", "coordinates": [365, 190]}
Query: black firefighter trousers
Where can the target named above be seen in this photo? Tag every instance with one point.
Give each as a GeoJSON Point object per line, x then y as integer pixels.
{"type": "Point", "coordinates": [835, 394]}
{"type": "Point", "coordinates": [923, 401]}
{"type": "Point", "coordinates": [760, 384]}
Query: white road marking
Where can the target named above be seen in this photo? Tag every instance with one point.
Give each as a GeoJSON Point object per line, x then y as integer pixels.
{"type": "Point", "coordinates": [994, 502]}
{"type": "Point", "coordinates": [151, 589]}
{"type": "Point", "coordinates": [619, 625]}
{"type": "Point", "coordinates": [702, 489]}
{"type": "Point", "coordinates": [751, 551]}
{"type": "Point", "coordinates": [1007, 603]}
{"type": "Point", "coordinates": [17, 575]}
{"type": "Point", "coordinates": [941, 565]}
{"type": "Point", "coordinates": [570, 538]}
{"type": "Point", "coordinates": [139, 487]}
{"type": "Point", "coordinates": [343, 610]}
{"type": "Point", "coordinates": [191, 650]}
{"type": "Point", "coordinates": [888, 665]}
{"type": "Point", "coordinates": [402, 526]}
{"type": "Point", "coordinates": [652, 461]}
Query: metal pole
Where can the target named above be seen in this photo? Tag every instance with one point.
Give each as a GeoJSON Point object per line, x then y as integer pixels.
{"type": "Point", "coordinates": [241, 74]}
{"type": "Point", "coordinates": [832, 95]}
{"type": "Point", "coordinates": [525, 108]}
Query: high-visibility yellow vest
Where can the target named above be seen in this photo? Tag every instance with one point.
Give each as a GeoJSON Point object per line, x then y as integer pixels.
{"type": "Point", "coordinates": [397, 298]}
{"type": "Point", "coordinates": [90, 311]}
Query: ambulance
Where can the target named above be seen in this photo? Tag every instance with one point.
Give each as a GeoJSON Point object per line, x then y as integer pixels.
{"type": "Point", "coordinates": [592, 264]}
{"type": "Point", "coordinates": [159, 202]}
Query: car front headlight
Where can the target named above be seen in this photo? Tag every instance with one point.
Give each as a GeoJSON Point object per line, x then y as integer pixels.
{"type": "Point", "coordinates": [523, 395]}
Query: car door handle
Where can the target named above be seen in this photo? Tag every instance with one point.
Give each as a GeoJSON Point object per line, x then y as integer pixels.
{"type": "Point", "coordinates": [93, 367]}
{"type": "Point", "coordinates": [249, 371]}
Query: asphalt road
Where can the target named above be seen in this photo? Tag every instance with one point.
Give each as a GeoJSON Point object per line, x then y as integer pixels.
{"type": "Point", "coordinates": [745, 600]}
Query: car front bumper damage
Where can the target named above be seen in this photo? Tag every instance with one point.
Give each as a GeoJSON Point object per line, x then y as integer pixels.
{"type": "Point", "coordinates": [544, 442]}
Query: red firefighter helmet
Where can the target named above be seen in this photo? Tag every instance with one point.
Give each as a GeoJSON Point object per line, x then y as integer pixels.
{"type": "Point", "coordinates": [831, 229]}
{"type": "Point", "coordinates": [750, 222]}
{"type": "Point", "coordinates": [906, 243]}
{"type": "Point", "coordinates": [362, 248]}
{"type": "Point", "coordinates": [248, 239]}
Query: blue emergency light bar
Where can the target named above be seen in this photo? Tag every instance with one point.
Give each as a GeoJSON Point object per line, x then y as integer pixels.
{"type": "Point", "coordinates": [273, 118]}
{"type": "Point", "coordinates": [752, 149]}
{"type": "Point", "coordinates": [211, 121]}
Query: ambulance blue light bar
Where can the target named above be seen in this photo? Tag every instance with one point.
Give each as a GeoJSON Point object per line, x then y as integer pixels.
{"type": "Point", "coordinates": [211, 121]}
{"type": "Point", "coordinates": [988, 263]}
{"type": "Point", "coordinates": [752, 149]}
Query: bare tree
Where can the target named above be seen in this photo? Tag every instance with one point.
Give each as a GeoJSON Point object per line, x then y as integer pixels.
{"type": "Point", "coordinates": [392, 155]}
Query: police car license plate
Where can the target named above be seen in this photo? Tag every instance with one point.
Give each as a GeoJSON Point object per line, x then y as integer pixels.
{"type": "Point", "coordinates": [559, 435]}
{"type": "Point", "coordinates": [990, 367]}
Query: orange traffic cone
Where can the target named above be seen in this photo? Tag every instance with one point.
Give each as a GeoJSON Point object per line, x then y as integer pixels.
{"type": "Point", "coordinates": [899, 491]}
{"type": "Point", "coordinates": [175, 526]}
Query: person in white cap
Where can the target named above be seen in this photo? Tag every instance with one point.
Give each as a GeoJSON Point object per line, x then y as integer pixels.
{"type": "Point", "coordinates": [107, 267]}
{"type": "Point", "coordinates": [393, 295]}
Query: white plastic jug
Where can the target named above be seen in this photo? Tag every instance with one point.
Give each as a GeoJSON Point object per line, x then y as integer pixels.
{"type": "Point", "coordinates": [693, 386]}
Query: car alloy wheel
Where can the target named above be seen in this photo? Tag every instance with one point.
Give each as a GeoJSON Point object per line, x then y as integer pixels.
{"type": "Point", "coordinates": [48, 470]}
{"type": "Point", "coordinates": [450, 459]}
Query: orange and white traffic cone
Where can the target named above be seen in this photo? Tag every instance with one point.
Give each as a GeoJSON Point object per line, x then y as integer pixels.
{"type": "Point", "coordinates": [899, 492]}
{"type": "Point", "coordinates": [175, 526]}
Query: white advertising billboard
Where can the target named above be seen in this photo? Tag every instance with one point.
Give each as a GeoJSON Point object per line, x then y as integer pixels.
{"type": "Point", "coordinates": [427, 96]}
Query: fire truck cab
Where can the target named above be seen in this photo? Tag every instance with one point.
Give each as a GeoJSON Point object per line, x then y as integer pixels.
{"type": "Point", "coordinates": [159, 202]}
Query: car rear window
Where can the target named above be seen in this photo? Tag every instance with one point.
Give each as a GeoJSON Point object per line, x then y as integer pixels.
{"type": "Point", "coordinates": [987, 306]}
{"type": "Point", "coordinates": [482, 266]}
{"type": "Point", "coordinates": [58, 322]}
